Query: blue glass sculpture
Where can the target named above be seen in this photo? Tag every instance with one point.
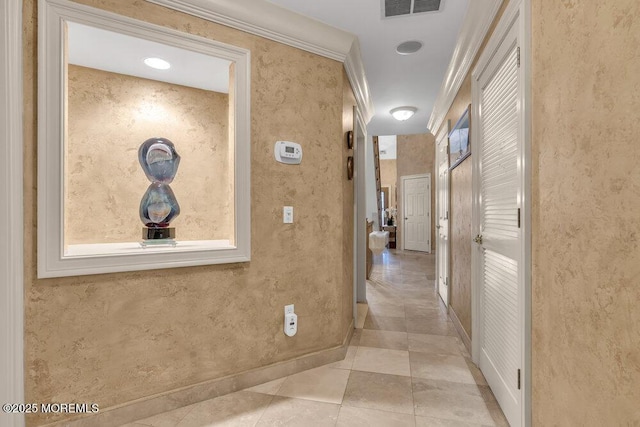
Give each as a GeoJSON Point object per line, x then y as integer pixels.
{"type": "Point", "coordinates": [159, 206]}
{"type": "Point", "coordinates": [159, 160]}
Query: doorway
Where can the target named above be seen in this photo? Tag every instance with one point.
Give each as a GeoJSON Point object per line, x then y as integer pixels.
{"type": "Point", "coordinates": [501, 254]}
{"type": "Point", "coordinates": [359, 214]}
{"type": "Point", "coordinates": [384, 200]}
{"type": "Point", "coordinates": [442, 217]}
{"type": "Point", "coordinates": [416, 209]}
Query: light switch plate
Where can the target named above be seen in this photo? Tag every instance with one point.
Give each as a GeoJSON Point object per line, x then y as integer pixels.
{"type": "Point", "coordinates": [287, 215]}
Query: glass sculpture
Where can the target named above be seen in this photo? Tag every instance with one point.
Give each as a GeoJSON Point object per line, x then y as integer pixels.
{"type": "Point", "coordinates": [159, 206]}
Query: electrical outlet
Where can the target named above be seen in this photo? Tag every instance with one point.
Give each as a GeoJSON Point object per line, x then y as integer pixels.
{"type": "Point", "coordinates": [290, 321]}
{"type": "Point", "coordinates": [290, 324]}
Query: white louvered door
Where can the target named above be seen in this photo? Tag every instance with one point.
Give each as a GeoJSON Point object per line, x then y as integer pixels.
{"type": "Point", "coordinates": [499, 244]}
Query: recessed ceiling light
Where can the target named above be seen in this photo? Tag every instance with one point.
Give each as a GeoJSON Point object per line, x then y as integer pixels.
{"type": "Point", "coordinates": [403, 113]}
{"type": "Point", "coordinates": [409, 47]}
{"type": "Point", "coordinates": [157, 63]}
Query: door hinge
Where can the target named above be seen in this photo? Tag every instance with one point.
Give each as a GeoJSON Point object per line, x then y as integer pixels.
{"type": "Point", "coordinates": [518, 379]}
{"type": "Point", "coordinates": [446, 282]}
{"type": "Point", "coordinates": [518, 217]}
{"type": "Point", "coordinates": [518, 53]}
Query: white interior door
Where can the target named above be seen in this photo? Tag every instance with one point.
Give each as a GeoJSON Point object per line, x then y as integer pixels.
{"type": "Point", "coordinates": [416, 208]}
{"type": "Point", "coordinates": [499, 195]}
{"type": "Point", "coordinates": [442, 216]}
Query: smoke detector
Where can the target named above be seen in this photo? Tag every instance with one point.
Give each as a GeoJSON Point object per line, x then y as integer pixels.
{"type": "Point", "coordinates": [409, 47]}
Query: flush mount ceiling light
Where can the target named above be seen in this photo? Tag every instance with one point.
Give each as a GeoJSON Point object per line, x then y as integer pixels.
{"type": "Point", "coordinates": [403, 113]}
{"type": "Point", "coordinates": [157, 63]}
{"type": "Point", "coordinates": [409, 47]}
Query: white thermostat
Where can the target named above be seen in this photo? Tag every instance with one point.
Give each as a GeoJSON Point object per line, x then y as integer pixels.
{"type": "Point", "coordinates": [287, 152]}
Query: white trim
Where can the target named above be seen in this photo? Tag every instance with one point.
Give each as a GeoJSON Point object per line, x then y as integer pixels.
{"type": "Point", "coordinates": [266, 20]}
{"type": "Point", "coordinates": [360, 209]}
{"type": "Point", "coordinates": [403, 179]}
{"type": "Point", "coordinates": [52, 259]}
{"type": "Point", "coordinates": [11, 213]}
{"type": "Point", "coordinates": [477, 21]}
{"type": "Point", "coordinates": [525, 102]}
{"type": "Point", "coordinates": [441, 138]}
{"type": "Point", "coordinates": [358, 79]}
{"type": "Point", "coordinates": [520, 11]}
{"type": "Point", "coordinates": [475, 215]}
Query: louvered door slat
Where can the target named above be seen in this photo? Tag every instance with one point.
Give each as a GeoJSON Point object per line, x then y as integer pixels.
{"type": "Point", "coordinates": [500, 320]}
{"type": "Point", "coordinates": [499, 210]}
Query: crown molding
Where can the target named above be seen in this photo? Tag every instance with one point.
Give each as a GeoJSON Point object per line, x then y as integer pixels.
{"type": "Point", "coordinates": [11, 211]}
{"type": "Point", "coordinates": [358, 79]}
{"type": "Point", "coordinates": [270, 21]}
{"type": "Point", "coordinates": [266, 20]}
{"type": "Point", "coordinates": [477, 21]}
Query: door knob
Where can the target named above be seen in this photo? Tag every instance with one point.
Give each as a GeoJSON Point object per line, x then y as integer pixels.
{"type": "Point", "coordinates": [478, 239]}
{"type": "Point", "coordinates": [438, 227]}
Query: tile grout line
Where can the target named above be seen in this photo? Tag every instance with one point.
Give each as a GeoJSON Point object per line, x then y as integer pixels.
{"type": "Point", "coordinates": [267, 406]}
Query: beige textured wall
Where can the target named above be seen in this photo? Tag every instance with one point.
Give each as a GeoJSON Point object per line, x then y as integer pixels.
{"type": "Point", "coordinates": [114, 338]}
{"type": "Point", "coordinates": [389, 178]}
{"type": "Point", "coordinates": [461, 203]}
{"type": "Point", "coordinates": [460, 241]}
{"type": "Point", "coordinates": [586, 205]}
{"type": "Point", "coordinates": [416, 155]}
{"type": "Point", "coordinates": [105, 181]}
{"type": "Point", "coordinates": [460, 236]}
{"type": "Point", "coordinates": [348, 193]}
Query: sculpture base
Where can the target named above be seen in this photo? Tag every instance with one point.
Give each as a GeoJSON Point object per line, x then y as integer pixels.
{"type": "Point", "coordinates": [158, 236]}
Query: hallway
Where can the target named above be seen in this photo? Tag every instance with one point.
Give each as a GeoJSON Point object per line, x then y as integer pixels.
{"type": "Point", "coordinates": [406, 367]}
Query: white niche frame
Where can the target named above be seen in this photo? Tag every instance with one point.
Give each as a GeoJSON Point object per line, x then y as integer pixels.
{"type": "Point", "coordinates": [110, 258]}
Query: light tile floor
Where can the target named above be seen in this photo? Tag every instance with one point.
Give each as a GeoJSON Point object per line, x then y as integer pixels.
{"type": "Point", "coordinates": [406, 367]}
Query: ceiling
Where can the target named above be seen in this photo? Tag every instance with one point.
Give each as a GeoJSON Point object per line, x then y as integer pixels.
{"type": "Point", "coordinates": [388, 147]}
{"type": "Point", "coordinates": [118, 53]}
{"type": "Point", "coordinates": [395, 80]}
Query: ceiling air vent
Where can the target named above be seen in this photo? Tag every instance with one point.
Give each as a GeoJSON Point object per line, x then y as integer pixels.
{"type": "Point", "coordinates": [420, 6]}
{"type": "Point", "coordinates": [409, 7]}
{"type": "Point", "coordinates": [397, 7]}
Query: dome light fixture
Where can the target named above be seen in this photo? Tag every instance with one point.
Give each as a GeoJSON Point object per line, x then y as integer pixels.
{"type": "Point", "coordinates": [157, 63]}
{"type": "Point", "coordinates": [403, 113]}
